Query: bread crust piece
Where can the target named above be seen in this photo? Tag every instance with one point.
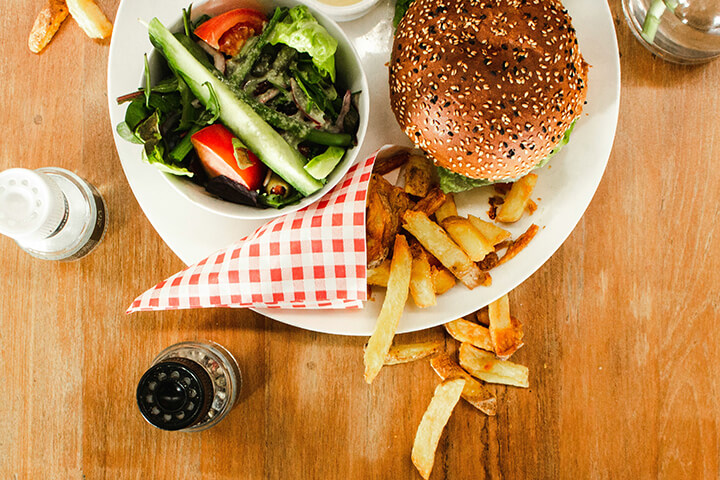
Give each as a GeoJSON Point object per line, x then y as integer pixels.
{"type": "Point", "coordinates": [487, 87]}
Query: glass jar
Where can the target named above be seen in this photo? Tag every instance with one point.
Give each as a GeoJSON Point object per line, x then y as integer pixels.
{"type": "Point", "coordinates": [190, 386]}
{"type": "Point", "coordinates": [680, 31]}
{"type": "Point", "coordinates": [51, 213]}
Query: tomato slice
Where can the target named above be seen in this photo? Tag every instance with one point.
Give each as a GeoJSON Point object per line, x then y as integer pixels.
{"type": "Point", "coordinates": [233, 40]}
{"type": "Point", "coordinates": [214, 145]}
{"type": "Point", "coordinates": [212, 31]}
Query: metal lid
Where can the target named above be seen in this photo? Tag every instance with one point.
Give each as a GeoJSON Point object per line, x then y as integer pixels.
{"type": "Point", "coordinates": [32, 206]}
{"type": "Point", "coordinates": [175, 394]}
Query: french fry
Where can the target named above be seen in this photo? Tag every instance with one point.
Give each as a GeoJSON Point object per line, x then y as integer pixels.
{"type": "Point", "coordinates": [388, 164]}
{"type": "Point", "coordinates": [505, 331]}
{"type": "Point", "coordinates": [46, 24]}
{"type": "Point", "coordinates": [431, 202]}
{"type": "Point", "coordinates": [468, 237]}
{"type": "Point", "coordinates": [379, 275]}
{"type": "Point", "coordinates": [412, 351]}
{"type": "Point", "coordinates": [516, 200]}
{"type": "Point", "coordinates": [474, 392]}
{"type": "Point", "coordinates": [468, 332]}
{"type": "Point", "coordinates": [483, 365]}
{"type": "Point", "coordinates": [443, 402]}
{"type": "Point", "coordinates": [447, 209]}
{"type": "Point", "coordinates": [438, 243]}
{"type": "Point", "coordinates": [520, 243]}
{"type": "Point", "coordinates": [90, 18]}
{"type": "Point", "coordinates": [443, 280]}
{"type": "Point", "coordinates": [419, 175]}
{"type": "Point", "coordinates": [492, 232]}
{"type": "Point", "coordinates": [421, 282]}
{"type": "Point", "coordinates": [391, 310]}
{"type": "Point", "coordinates": [502, 245]}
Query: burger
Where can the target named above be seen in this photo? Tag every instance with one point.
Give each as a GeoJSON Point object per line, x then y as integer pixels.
{"type": "Point", "coordinates": [489, 89]}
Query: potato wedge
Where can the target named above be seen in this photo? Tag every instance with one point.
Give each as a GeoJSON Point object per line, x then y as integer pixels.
{"type": "Point", "coordinates": [520, 243]}
{"type": "Point", "coordinates": [46, 24]}
{"type": "Point", "coordinates": [490, 261]}
{"type": "Point", "coordinates": [391, 310]}
{"type": "Point", "coordinates": [516, 200]}
{"type": "Point", "coordinates": [438, 243]}
{"type": "Point", "coordinates": [490, 231]}
{"type": "Point", "coordinates": [422, 289]}
{"type": "Point", "coordinates": [388, 164]}
{"type": "Point", "coordinates": [433, 422]}
{"type": "Point", "coordinates": [431, 202]}
{"type": "Point", "coordinates": [505, 331]}
{"type": "Point", "coordinates": [443, 280]}
{"type": "Point", "coordinates": [468, 237]}
{"type": "Point", "coordinates": [468, 332]}
{"type": "Point", "coordinates": [447, 209]}
{"type": "Point", "coordinates": [90, 18]}
{"type": "Point", "coordinates": [483, 365]}
{"type": "Point", "coordinates": [378, 276]}
{"type": "Point", "coordinates": [483, 317]}
{"type": "Point", "coordinates": [410, 352]}
{"type": "Point", "coordinates": [474, 392]}
{"type": "Point", "coordinates": [419, 176]}
{"type": "Point", "coordinates": [378, 222]}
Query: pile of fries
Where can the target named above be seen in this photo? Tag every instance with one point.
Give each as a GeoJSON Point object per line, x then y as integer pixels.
{"type": "Point", "coordinates": [445, 246]}
{"type": "Point", "coordinates": [85, 12]}
{"type": "Point", "coordinates": [419, 247]}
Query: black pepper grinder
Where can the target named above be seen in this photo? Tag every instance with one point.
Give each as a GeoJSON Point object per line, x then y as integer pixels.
{"type": "Point", "coordinates": [190, 386]}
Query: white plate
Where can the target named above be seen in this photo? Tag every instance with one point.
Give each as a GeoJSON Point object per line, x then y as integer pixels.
{"type": "Point", "coordinates": [566, 187]}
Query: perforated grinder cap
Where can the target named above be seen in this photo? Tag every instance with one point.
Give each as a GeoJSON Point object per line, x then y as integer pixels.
{"type": "Point", "coordinates": [175, 394]}
{"type": "Point", "coordinates": [32, 206]}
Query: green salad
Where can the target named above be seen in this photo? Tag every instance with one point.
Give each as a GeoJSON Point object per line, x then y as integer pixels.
{"type": "Point", "coordinates": [246, 105]}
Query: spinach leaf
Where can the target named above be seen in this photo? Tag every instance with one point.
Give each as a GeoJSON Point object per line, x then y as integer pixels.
{"type": "Point", "coordinates": [136, 113]}
{"type": "Point", "coordinates": [126, 133]}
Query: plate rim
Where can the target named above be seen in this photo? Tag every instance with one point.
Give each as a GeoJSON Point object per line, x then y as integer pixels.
{"type": "Point", "coordinates": [291, 317]}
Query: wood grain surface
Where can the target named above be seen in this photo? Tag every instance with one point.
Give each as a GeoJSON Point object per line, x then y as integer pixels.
{"type": "Point", "coordinates": [622, 323]}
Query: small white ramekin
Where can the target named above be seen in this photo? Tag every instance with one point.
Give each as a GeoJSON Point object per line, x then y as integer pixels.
{"type": "Point", "coordinates": [343, 13]}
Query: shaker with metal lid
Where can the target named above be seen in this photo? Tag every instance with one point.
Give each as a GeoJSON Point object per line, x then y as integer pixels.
{"type": "Point", "coordinates": [189, 387]}
{"type": "Point", "coordinates": [51, 213]}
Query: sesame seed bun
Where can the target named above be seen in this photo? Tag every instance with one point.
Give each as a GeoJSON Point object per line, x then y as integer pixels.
{"type": "Point", "coordinates": [487, 88]}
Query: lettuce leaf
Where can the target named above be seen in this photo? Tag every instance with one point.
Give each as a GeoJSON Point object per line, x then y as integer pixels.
{"type": "Point", "coordinates": [451, 182]}
{"type": "Point", "coordinates": [401, 7]}
{"type": "Point", "coordinates": [301, 31]}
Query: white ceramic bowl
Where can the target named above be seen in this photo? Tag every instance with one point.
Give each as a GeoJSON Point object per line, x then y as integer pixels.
{"type": "Point", "coordinates": [125, 74]}
{"type": "Point", "coordinates": [344, 13]}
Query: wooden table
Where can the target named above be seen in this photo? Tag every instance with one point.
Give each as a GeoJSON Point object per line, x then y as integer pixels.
{"type": "Point", "coordinates": [621, 324]}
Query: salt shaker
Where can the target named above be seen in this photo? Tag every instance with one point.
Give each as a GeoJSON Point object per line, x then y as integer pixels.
{"type": "Point", "coordinates": [51, 213]}
{"type": "Point", "coordinates": [190, 386]}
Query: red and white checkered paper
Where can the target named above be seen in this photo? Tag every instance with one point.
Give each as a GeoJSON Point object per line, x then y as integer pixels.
{"type": "Point", "coordinates": [314, 258]}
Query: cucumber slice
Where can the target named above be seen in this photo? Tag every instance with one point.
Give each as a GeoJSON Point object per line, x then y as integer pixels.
{"type": "Point", "coordinates": [235, 114]}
